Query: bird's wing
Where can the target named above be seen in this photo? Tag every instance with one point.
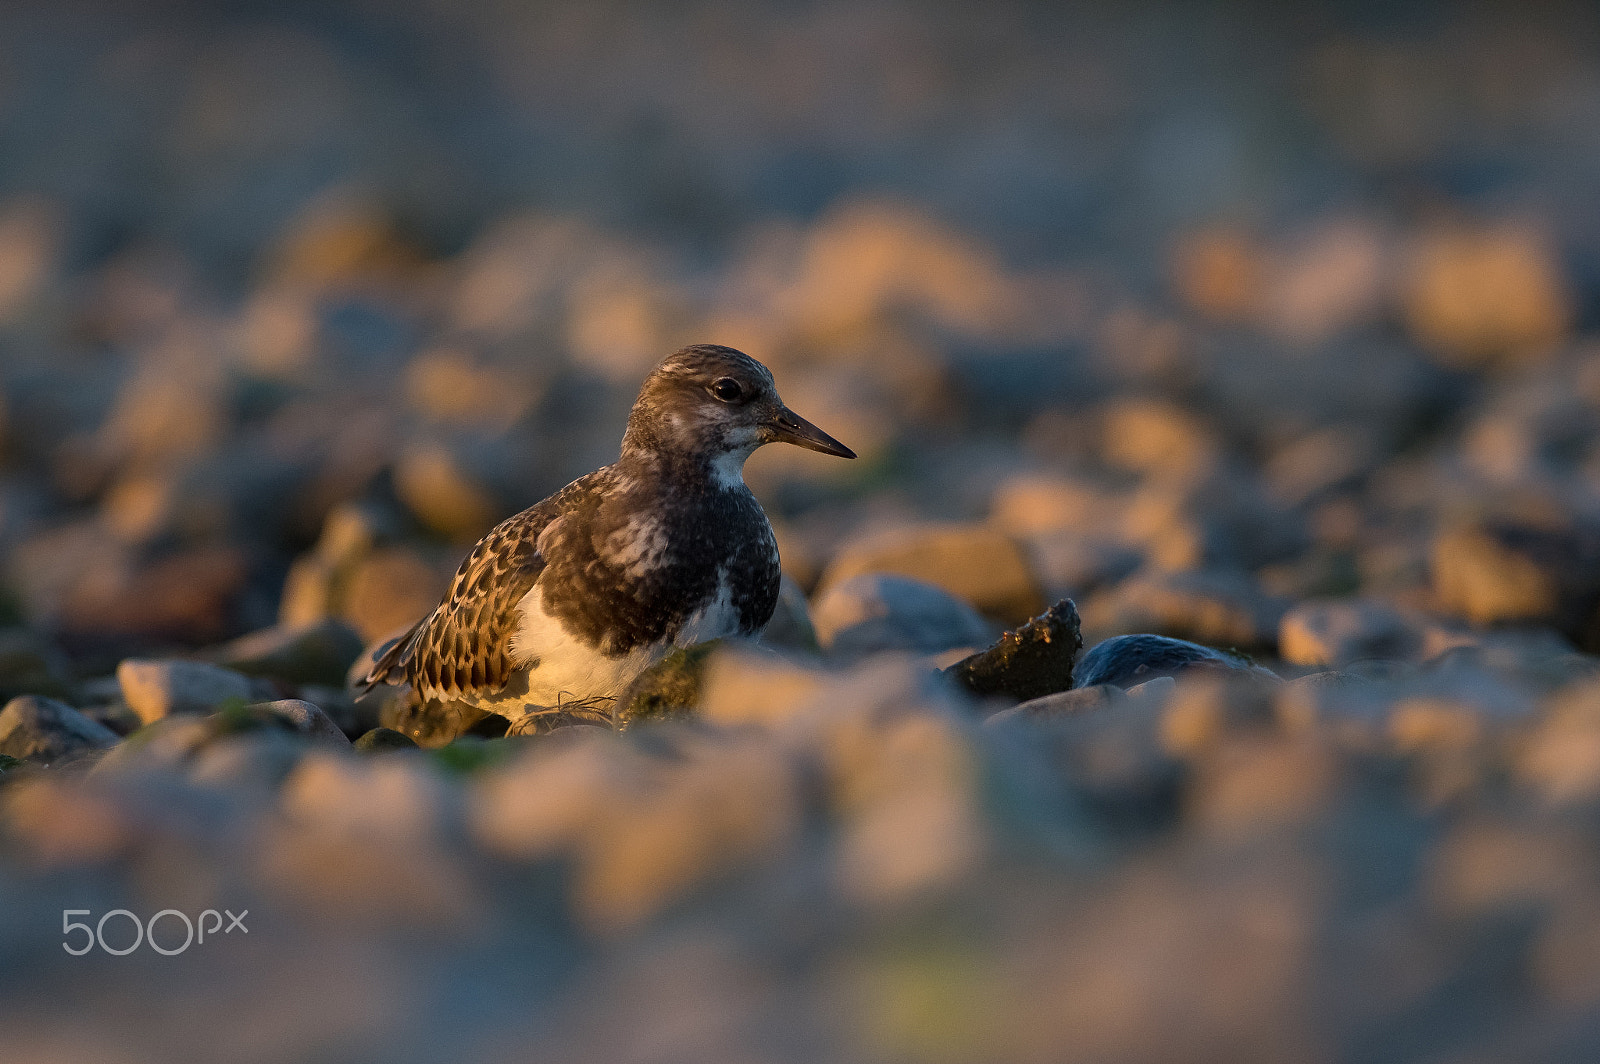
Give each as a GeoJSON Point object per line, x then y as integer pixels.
{"type": "Point", "coordinates": [463, 646]}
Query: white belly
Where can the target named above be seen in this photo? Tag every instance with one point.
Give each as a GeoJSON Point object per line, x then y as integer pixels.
{"type": "Point", "coordinates": [569, 669]}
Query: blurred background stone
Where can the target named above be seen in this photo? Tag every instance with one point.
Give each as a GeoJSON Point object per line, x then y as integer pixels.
{"type": "Point", "coordinates": [1270, 328]}
{"type": "Point", "coordinates": [157, 689]}
{"type": "Point", "coordinates": [971, 562]}
{"type": "Point", "coordinates": [34, 727]}
{"type": "Point", "coordinates": [881, 611]}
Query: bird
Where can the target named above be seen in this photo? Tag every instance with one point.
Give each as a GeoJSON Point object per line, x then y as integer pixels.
{"type": "Point", "coordinates": [558, 609]}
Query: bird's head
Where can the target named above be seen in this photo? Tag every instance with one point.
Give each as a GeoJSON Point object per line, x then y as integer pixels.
{"type": "Point", "coordinates": [714, 406]}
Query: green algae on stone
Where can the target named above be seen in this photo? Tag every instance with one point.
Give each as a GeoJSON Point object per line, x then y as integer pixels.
{"type": "Point", "coordinates": [470, 754]}
{"type": "Point", "coordinates": [1030, 661]}
{"type": "Point", "coordinates": [670, 688]}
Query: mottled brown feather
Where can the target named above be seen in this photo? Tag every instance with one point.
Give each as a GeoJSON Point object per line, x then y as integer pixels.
{"type": "Point", "coordinates": [462, 647]}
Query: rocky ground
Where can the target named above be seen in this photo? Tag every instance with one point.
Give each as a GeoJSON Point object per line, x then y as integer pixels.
{"type": "Point", "coordinates": [1276, 335]}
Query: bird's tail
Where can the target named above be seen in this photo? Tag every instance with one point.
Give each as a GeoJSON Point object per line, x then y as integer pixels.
{"type": "Point", "coordinates": [389, 666]}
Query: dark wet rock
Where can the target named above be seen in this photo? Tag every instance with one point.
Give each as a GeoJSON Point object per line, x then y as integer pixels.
{"type": "Point", "coordinates": [1126, 660]}
{"type": "Point", "coordinates": [32, 726]}
{"type": "Point", "coordinates": [380, 739]}
{"type": "Point", "coordinates": [882, 611]}
{"type": "Point", "coordinates": [1028, 662]}
{"type": "Point", "coordinates": [317, 653]}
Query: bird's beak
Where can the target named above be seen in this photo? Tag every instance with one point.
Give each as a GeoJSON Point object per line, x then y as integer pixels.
{"type": "Point", "coordinates": [788, 427]}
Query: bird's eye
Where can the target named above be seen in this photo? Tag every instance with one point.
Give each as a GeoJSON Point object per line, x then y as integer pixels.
{"type": "Point", "coordinates": [728, 390]}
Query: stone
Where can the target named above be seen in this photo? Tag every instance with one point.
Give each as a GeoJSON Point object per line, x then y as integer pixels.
{"type": "Point", "coordinates": [430, 724]}
{"type": "Point", "coordinates": [1259, 784]}
{"type": "Point", "coordinates": [31, 664]}
{"type": "Point", "coordinates": [1030, 662]}
{"type": "Point", "coordinates": [389, 799]}
{"type": "Point", "coordinates": [307, 592]}
{"type": "Point", "coordinates": [1114, 760]}
{"type": "Point", "coordinates": [742, 686]}
{"type": "Point", "coordinates": [32, 726]}
{"type": "Point", "coordinates": [1077, 701]}
{"type": "Point", "coordinates": [159, 688]}
{"type": "Point", "coordinates": [257, 760]}
{"type": "Point", "coordinates": [433, 484]}
{"type": "Point", "coordinates": [912, 841]}
{"type": "Point", "coordinates": [1070, 563]}
{"type": "Point", "coordinates": [1221, 607]}
{"type": "Point", "coordinates": [1159, 688]}
{"type": "Point", "coordinates": [882, 611]}
{"type": "Point", "coordinates": [391, 588]}
{"type": "Point", "coordinates": [791, 626]}
{"type": "Point", "coordinates": [1319, 462]}
{"type": "Point", "coordinates": [1158, 438]}
{"type": "Point", "coordinates": [115, 715]}
{"type": "Point", "coordinates": [1205, 707]}
{"type": "Point", "coordinates": [1126, 660]}
{"type": "Point", "coordinates": [726, 804]}
{"type": "Point", "coordinates": [670, 688]}
{"type": "Point", "coordinates": [1479, 295]}
{"type": "Point", "coordinates": [305, 718]}
{"type": "Point", "coordinates": [971, 561]}
{"type": "Point", "coordinates": [1030, 505]}
{"type": "Point", "coordinates": [1327, 280]}
{"type": "Point", "coordinates": [165, 745]}
{"type": "Point", "coordinates": [1499, 572]}
{"type": "Point", "coordinates": [1221, 272]}
{"type": "Point", "coordinates": [1560, 761]}
{"type": "Point", "coordinates": [190, 595]}
{"type": "Point", "coordinates": [320, 652]}
{"type": "Point", "coordinates": [1338, 632]}
{"type": "Point", "coordinates": [380, 739]}
{"type": "Point", "coordinates": [353, 716]}
{"type": "Point", "coordinates": [543, 802]}
{"type": "Point", "coordinates": [1220, 523]}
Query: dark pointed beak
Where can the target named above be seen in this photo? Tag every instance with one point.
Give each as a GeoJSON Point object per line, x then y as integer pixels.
{"type": "Point", "coordinates": [788, 427]}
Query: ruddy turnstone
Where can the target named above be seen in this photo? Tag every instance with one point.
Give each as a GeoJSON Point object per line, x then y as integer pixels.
{"type": "Point", "coordinates": [558, 609]}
